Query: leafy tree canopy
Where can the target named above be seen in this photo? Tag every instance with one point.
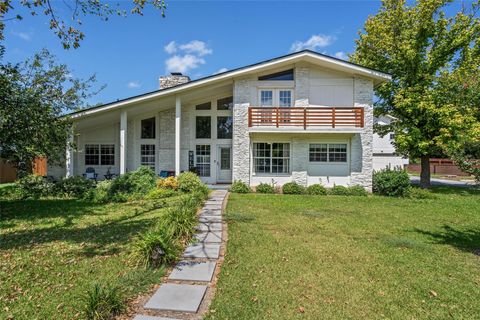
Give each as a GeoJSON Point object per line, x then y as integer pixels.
{"type": "Point", "coordinates": [434, 61]}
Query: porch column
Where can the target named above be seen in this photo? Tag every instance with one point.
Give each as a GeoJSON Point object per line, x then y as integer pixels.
{"type": "Point", "coordinates": [69, 154]}
{"type": "Point", "coordinates": [123, 142]}
{"type": "Point", "coordinates": [178, 118]}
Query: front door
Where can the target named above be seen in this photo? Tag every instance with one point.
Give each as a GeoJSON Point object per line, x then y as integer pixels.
{"type": "Point", "coordinates": [224, 164]}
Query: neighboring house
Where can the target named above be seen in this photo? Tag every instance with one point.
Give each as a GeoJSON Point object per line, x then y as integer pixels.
{"type": "Point", "coordinates": [384, 153]}
{"type": "Point", "coordinates": [303, 117]}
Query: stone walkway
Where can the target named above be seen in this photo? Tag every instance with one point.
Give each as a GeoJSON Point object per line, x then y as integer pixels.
{"type": "Point", "coordinates": [188, 290]}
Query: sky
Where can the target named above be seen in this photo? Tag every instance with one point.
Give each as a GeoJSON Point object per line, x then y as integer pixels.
{"type": "Point", "coordinates": [197, 38]}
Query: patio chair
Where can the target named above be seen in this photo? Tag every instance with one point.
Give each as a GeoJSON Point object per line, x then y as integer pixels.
{"type": "Point", "coordinates": [90, 174]}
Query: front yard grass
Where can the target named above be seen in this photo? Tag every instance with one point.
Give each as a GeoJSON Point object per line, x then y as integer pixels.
{"type": "Point", "coordinates": [53, 250]}
{"type": "Point", "coordinates": [334, 257]}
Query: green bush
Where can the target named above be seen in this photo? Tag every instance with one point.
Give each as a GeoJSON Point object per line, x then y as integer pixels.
{"type": "Point", "coordinates": [101, 193]}
{"type": "Point", "coordinates": [316, 189]}
{"type": "Point", "coordinates": [418, 193]}
{"type": "Point", "coordinates": [265, 188]}
{"type": "Point", "coordinates": [190, 182]}
{"type": "Point", "coordinates": [239, 186]}
{"type": "Point", "coordinates": [339, 191]}
{"type": "Point", "coordinates": [103, 303]}
{"type": "Point", "coordinates": [33, 186]}
{"type": "Point", "coordinates": [393, 183]}
{"type": "Point", "coordinates": [293, 188]}
{"type": "Point", "coordinates": [157, 247]}
{"type": "Point", "coordinates": [160, 193]}
{"type": "Point", "coordinates": [74, 186]}
{"type": "Point", "coordinates": [133, 184]}
{"type": "Point", "coordinates": [357, 191]}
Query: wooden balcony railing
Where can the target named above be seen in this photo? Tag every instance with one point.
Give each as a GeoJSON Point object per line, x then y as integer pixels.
{"type": "Point", "coordinates": [329, 117]}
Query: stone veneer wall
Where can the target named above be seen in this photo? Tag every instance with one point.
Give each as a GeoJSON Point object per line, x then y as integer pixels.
{"type": "Point", "coordinates": [362, 143]}
{"type": "Point", "coordinates": [241, 138]}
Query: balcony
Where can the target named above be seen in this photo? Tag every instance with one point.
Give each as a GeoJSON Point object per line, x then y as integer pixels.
{"type": "Point", "coordinates": [306, 117]}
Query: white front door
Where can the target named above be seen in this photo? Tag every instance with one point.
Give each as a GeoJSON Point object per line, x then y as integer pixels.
{"type": "Point", "coordinates": [224, 164]}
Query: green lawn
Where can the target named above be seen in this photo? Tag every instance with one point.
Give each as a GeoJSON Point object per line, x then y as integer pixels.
{"type": "Point", "coordinates": [333, 257]}
{"type": "Point", "coordinates": [52, 251]}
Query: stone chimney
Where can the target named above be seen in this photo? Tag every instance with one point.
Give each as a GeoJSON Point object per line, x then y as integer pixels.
{"type": "Point", "coordinates": [174, 79]}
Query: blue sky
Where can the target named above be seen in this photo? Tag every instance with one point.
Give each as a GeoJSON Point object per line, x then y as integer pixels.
{"type": "Point", "coordinates": [198, 38]}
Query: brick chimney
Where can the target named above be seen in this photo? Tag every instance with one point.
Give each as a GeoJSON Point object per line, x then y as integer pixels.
{"type": "Point", "coordinates": [174, 79]}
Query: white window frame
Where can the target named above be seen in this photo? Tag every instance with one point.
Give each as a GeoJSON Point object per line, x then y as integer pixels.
{"type": "Point", "coordinates": [276, 97]}
{"type": "Point", "coordinates": [150, 164]}
{"type": "Point", "coordinates": [99, 146]}
{"type": "Point", "coordinates": [271, 157]}
{"type": "Point", "coordinates": [347, 153]}
{"type": "Point", "coordinates": [209, 163]}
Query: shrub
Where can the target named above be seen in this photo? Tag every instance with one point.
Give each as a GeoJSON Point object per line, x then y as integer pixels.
{"type": "Point", "coordinates": [418, 193]}
{"type": "Point", "coordinates": [103, 302]}
{"type": "Point", "coordinates": [357, 191]}
{"type": "Point", "coordinates": [339, 191]}
{"type": "Point", "coordinates": [160, 193]}
{"type": "Point", "coordinates": [393, 183]}
{"type": "Point", "coordinates": [316, 189]}
{"type": "Point", "coordinates": [189, 182]}
{"type": "Point", "coordinates": [265, 188]}
{"type": "Point", "coordinates": [157, 247]}
{"type": "Point", "coordinates": [168, 183]}
{"type": "Point", "coordinates": [33, 186]}
{"type": "Point", "coordinates": [135, 184]}
{"type": "Point", "coordinates": [75, 186]}
{"type": "Point", "coordinates": [239, 186]}
{"type": "Point", "coordinates": [293, 188]}
{"type": "Point", "coordinates": [101, 193]}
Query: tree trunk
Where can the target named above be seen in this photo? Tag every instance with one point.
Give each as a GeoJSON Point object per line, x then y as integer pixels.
{"type": "Point", "coordinates": [425, 172]}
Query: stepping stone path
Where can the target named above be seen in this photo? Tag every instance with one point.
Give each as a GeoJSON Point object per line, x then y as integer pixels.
{"type": "Point", "coordinates": [190, 281]}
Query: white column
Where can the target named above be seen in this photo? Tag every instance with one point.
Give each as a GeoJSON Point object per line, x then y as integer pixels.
{"type": "Point", "coordinates": [178, 118]}
{"type": "Point", "coordinates": [123, 142]}
{"type": "Point", "coordinates": [69, 154]}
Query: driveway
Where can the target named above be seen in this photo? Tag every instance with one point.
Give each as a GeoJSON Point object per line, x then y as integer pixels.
{"type": "Point", "coordinates": [443, 182]}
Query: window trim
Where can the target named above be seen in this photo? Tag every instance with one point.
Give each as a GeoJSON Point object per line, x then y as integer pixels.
{"type": "Point", "coordinates": [328, 153]}
{"type": "Point", "coordinates": [99, 155]}
{"type": "Point", "coordinates": [282, 174]}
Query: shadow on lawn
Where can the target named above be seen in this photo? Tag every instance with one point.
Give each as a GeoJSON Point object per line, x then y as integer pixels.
{"type": "Point", "coordinates": [465, 239]}
{"type": "Point", "coordinates": [96, 239]}
{"type": "Point", "coordinates": [461, 191]}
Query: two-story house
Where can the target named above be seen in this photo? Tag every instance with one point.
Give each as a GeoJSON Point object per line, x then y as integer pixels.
{"type": "Point", "coordinates": [303, 117]}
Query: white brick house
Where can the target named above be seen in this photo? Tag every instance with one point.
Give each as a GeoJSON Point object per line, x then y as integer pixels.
{"type": "Point", "coordinates": [303, 117]}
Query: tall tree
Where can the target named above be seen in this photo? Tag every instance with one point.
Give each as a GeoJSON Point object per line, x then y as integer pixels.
{"type": "Point", "coordinates": [34, 97]}
{"type": "Point", "coordinates": [65, 17]}
{"type": "Point", "coordinates": [427, 53]}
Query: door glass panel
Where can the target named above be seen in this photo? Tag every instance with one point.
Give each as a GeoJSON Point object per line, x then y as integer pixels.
{"type": "Point", "coordinates": [203, 160]}
{"type": "Point", "coordinates": [266, 98]}
{"type": "Point", "coordinates": [285, 98]}
{"type": "Point", "coordinates": [225, 158]}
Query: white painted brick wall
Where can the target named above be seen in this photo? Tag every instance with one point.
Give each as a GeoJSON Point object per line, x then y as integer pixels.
{"type": "Point", "coordinates": [302, 86]}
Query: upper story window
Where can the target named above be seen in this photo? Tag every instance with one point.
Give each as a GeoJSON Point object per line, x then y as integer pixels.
{"type": "Point", "coordinates": [278, 76]}
{"type": "Point", "coordinates": [266, 98]}
{"type": "Point", "coordinates": [203, 127]}
{"type": "Point", "coordinates": [284, 98]}
{"type": "Point", "coordinates": [148, 128]}
{"type": "Point", "coordinates": [276, 97]}
{"type": "Point", "coordinates": [204, 106]}
{"type": "Point", "coordinates": [225, 103]}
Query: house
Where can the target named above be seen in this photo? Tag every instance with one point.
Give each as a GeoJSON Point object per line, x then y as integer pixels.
{"type": "Point", "coordinates": [384, 153]}
{"type": "Point", "coordinates": [303, 117]}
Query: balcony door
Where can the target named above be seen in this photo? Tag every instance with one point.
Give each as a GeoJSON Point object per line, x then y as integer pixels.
{"type": "Point", "coordinates": [282, 98]}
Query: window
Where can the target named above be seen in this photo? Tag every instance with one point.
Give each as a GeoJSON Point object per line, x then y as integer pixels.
{"type": "Point", "coordinates": [203, 127]}
{"type": "Point", "coordinates": [285, 98]}
{"type": "Point", "coordinates": [224, 127]}
{"type": "Point", "coordinates": [323, 152]}
{"type": "Point", "coordinates": [278, 76]}
{"type": "Point", "coordinates": [147, 155]}
{"type": "Point", "coordinates": [225, 158]}
{"type": "Point", "coordinates": [99, 154]}
{"type": "Point", "coordinates": [392, 136]}
{"type": "Point", "coordinates": [204, 106]}
{"type": "Point", "coordinates": [319, 152]}
{"type": "Point", "coordinates": [148, 128]}
{"type": "Point", "coordinates": [203, 160]}
{"type": "Point", "coordinates": [266, 98]}
{"type": "Point", "coordinates": [271, 157]}
{"type": "Point", "coordinates": [225, 103]}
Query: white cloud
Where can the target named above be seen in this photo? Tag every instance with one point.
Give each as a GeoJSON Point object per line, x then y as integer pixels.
{"type": "Point", "coordinates": [27, 36]}
{"type": "Point", "coordinates": [221, 70]}
{"type": "Point", "coordinates": [341, 55]}
{"type": "Point", "coordinates": [133, 85]}
{"type": "Point", "coordinates": [315, 42]}
{"type": "Point", "coordinates": [197, 47]}
{"type": "Point", "coordinates": [171, 47]}
{"type": "Point", "coordinates": [183, 64]}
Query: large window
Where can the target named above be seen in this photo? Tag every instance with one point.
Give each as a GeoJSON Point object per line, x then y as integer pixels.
{"type": "Point", "coordinates": [148, 128]}
{"type": "Point", "coordinates": [203, 127]}
{"type": "Point", "coordinates": [271, 157]}
{"type": "Point", "coordinates": [224, 127]}
{"type": "Point", "coordinates": [225, 103]}
{"type": "Point", "coordinates": [99, 154]}
{"type": "Point", "coordinates": [147, 155]}
{"type": "Point", "coordinates": [203, 160]}
{"type": "Point", "coordinates": [323, 152]}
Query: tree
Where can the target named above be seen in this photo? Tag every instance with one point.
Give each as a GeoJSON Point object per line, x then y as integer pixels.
{"type": "Point", "coordinates": [34, 97]}
{"type": "Point", "coordinates": [427, 53]}
{"type": "Point", "coordinates": [65, 17]}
